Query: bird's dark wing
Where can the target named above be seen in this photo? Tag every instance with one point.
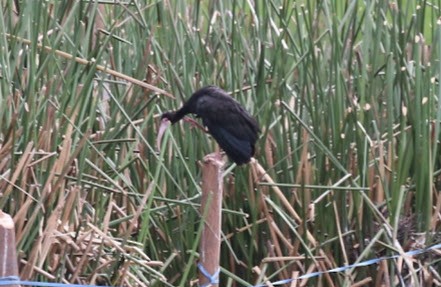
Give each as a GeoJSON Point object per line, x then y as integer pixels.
{"type": "Point", "coordinates": [231, 125]}
{"type": "Point", "coordinates": [239, 150]}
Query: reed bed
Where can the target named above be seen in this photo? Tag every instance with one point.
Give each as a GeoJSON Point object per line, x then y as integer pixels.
{"type": "Point", "coordinates": [347, 96]}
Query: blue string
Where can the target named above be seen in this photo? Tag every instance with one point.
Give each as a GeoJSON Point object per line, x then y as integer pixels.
{"type": "Point", "coordinates": [360, 264]}
{"type": "Point", "coordinates": [14, 280]}
{"type": "Point", "coordinates": [212, 279]}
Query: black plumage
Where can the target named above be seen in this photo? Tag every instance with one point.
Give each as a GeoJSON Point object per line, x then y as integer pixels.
{"type": "Point", "coordinates": [235, 130]}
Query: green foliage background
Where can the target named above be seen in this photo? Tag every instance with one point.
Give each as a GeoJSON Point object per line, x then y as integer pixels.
{"type": "Point", "coordinates": [347, 95]}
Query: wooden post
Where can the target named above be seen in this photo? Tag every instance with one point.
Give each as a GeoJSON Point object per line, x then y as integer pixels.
{"type": "Point", "coordinates": [211, 206]}
{"type": "Point", "coordinates": [8, 256]}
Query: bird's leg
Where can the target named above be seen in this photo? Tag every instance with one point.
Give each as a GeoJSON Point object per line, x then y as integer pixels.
{"type": "Point", "coordinates": [216, 156]}
{"type": "Point", "coordinates": [194, 123]}
{"type": "Point", "coordinates": [220, 154]}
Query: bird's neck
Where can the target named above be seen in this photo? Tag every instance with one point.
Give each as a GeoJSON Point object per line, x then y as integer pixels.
{"type": "Point", "coordinates": [179, 114]}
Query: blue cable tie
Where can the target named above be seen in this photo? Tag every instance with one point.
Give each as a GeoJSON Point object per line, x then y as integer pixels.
{"type": "Point", "coordinates": [213, 279]}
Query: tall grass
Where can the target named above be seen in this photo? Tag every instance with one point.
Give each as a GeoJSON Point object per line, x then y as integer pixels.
{"type": "Point", "coordinates": [346, 94]}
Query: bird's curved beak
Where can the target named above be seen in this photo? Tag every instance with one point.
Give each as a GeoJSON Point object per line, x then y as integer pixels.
{"type": "Point", "coordinates": [165, 123]}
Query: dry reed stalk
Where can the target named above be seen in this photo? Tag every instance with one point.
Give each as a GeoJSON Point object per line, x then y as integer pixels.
{"type": "Point", "coordinates": [363, 282]}
{"type": "Point", "coordinates": [52, 188]}
{"type": "Point", "coordinates": [20, 217]}
{"type": "Point", "coordinates": [282, 237]}
{"type": "Point", "coordinates": [82, 262]}
{"type": "Point", "coordinates": [139, 210]}
{"type": "Point", "coordinates": [312, 268]}
{"type": "Point", "coordinates": [40, 271]}
{"type": "Point", "coordinates": [245, 228]}
{"type": "Point", "coordinates": [20, 167]}
{"type": "Point", "coordinates": [372, 180]}
{"type": "Point", "coordinates": [379, 196]}
{"type": "Point", "coordinates": [263, 175]}
{"type": "Point", "coordinates": [294, 283]}
{"type": "Point", "coordinates": [70, 205]}
{"type": "Point", "coordinates": [382, 275]}
{"type": "Point", "coordinates": [270, 145]}
{"type": "Point", "coordinates": [276, 249]}
{"type": "Point", "coordinates": [289, 258]}
{"type": "Point", "coordinates": [48, 237]}
{"type": "Point", "coordinates": [305, 172]}
{"type": "Point", "coordinates": [327, 263]}
{"type": "Point", "coordinates": [260, 273]}
{"type": "Point", "coordinates": [340, 233]}
{"type": "Point", "coordinates": [437, 212]}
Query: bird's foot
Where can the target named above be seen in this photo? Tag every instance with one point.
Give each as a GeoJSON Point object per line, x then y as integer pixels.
{"type": "Point", "coordinates": [216, 158]}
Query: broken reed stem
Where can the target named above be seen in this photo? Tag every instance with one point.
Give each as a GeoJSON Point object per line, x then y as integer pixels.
{"type": "Point", "coordinates": [8, 256]}
{"type": "Point", "coordinates": [211, 205]}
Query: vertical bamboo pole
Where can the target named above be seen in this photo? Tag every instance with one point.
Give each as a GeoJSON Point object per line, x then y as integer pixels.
{"type": "Point", "coordinates": [8, 256]}
{"type": "Point", "coordinates": [211, 206]}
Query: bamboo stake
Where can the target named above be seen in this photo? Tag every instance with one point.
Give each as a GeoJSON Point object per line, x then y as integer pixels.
{"type": "Point", "coordinates": [211, 206]}
{"type": "Point", "coordinates": [8, 256]}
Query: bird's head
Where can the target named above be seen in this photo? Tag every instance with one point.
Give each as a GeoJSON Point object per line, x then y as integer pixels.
{"type": "Point", "coordinates": [169, 116]}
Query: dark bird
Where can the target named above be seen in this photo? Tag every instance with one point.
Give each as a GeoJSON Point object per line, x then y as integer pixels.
{"type": "Point", "coordinates": [234, 129]}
